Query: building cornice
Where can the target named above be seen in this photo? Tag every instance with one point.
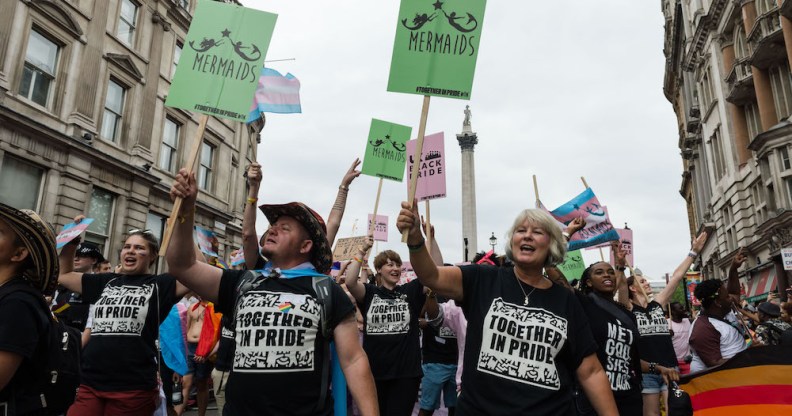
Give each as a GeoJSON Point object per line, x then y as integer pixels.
{"type": "Point", "coordinates": [707, 22]}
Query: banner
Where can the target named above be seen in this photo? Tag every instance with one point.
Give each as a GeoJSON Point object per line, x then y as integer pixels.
{"type": "Point", "coordinates": [275, 94]}
{"type": "Point", "coordinates": [431, 171]}
{"type": "Point", "coordinates": [757, 381]}
{"type": "Point", "coordinates": [573, 265]}
{"type": "Point", "coordinates": [407, 273]}
{"type": "Point", "coordinates": [237, 257]}
{"type": "Point", "coordinates": [71, 231]}
{"type": "Point", "coordinates": [204, 238]}
{"type": "Point", "coordinates": [347, 248]}
{"type": "Point", "coordinates": [598, 226]}
{"type": "Point", "coordinates": [693, 279]}
{"type": "Point", "coordinates": [220, 63]}
{"type": "Point", "coordinates": [786, 257]}
{"type": "Point", "coordinates": [626, 243]}
{"type": "Point", "coordinates": [386, 150]}
{"type": "Point", "coordinates": [436, 47]}
{"type": "Point", "coordinates": [380, 228]}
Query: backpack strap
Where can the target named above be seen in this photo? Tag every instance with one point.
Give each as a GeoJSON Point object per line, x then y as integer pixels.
{"type": "Point", "coordinates": [322, 287]}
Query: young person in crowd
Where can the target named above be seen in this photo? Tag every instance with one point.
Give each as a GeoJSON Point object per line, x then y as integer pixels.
{"type": "Point", "coordinates": [679, 326]}
{"type": "Point", "coordinates": [391, 336]}
{"type": "Point", "coordinates": [716, 335]}
{"type": "Point", "coordinates": [771, 327]}
{"type": "Point", "coordinates": [279, 343]}
{"type": "Point", "coordinates": [527, 338]}
{"type": "Point", "coordinates": [27, 260]}
{"type": "Point", "coordinates": [119, 364]}
{"type": "Point", "coordinates": [655, 340]}
{"type": "Point", "coordinates": [199, 369]}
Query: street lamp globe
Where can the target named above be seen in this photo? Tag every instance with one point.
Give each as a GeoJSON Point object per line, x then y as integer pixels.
{"type": "Point", "coordinates": [493, 241]}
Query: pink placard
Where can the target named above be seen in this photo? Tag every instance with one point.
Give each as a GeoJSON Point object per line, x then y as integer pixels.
{"type": "Point", "coordinates": [431, 169]}
{"type": "Point", "coordinates": [626, 239]}
{"type": "Point", "coordinates": [380, 228]}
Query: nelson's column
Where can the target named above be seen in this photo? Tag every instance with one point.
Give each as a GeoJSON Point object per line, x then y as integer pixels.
{"type": "Point", "coordinates": [467, 141]}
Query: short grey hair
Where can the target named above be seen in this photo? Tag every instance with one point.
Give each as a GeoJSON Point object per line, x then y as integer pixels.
{"type": "Point", "coordinates": [558, 244]}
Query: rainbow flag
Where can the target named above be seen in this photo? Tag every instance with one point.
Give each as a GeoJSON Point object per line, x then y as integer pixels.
{"type": "Point", "coordinates": [757, 381]}
{"type": "Point", "coordinates": [275, 94]}
{"type": "Point", "coordinates": [286, 307]}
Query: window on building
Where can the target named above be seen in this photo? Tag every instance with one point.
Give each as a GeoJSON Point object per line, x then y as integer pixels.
{"type": "Point", "coordinates": [38, 74]}
{"type": "Point", "coordinates": [788, 185]}
{"type": "Point", "coordinates": [728, 226]}
{"type": "Point", "coordinates": [706, 92]}
{"type": "Point", "coordinates": [185, 4]}
{"type": "Point", "coordinates": [101, 209]}
{"type": "Point", "coordinates": [127, 21]}
{"type": "Point", "coordinates": [113, 111]}
{"type": "Point", "coordinates": [783, 158]}
{"type": "Point", "coordinates": [719, 161]}
{"type": "Point", "coordinates": [170, 142]}
{"type": "Point", "coordinates": [205, 168]}
{"type": "Point", "coordinates": [177, 51]}
{"type": "Point", "coordinates": [758, 199]}
{"type": "Point", "coordinates": [752, 119]}
{"type": "Point", "coordinates": [741, 50]}
{"type": "Point", "coordinates": [764, 6]}
{"type": "Point", "coordinates": [20, 183]}
{"type": "Point", "coordinates": [781, 84]}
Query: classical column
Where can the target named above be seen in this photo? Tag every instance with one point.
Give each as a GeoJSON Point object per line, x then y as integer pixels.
{"type": "Point", "coordinates": [90, 79]}
{"type": "Point", "coordinates": [786, 29]}
{"type": "Point", "coordinates": [764, 93]}
{"type": "Point", "coordinates": [467, 141]}
{"type": "Point", "coordinates": [739, 123]}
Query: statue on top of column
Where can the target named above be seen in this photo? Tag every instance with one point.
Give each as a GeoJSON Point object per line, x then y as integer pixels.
{"type": "Point", "coordinates": [468, 115]}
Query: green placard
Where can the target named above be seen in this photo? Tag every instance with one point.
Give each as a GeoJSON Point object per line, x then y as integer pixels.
{"type": "Point", "coordinates": [436, 47]}
{"type": "Point", "coordinates": [386, 150]}
{"type": "Point", "coordinates": [573, 265]}
{"type": "Point", "coordinates": [221, 60]}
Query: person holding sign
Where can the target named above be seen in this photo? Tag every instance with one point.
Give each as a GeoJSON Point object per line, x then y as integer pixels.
{"type": "Point", "coordinates": [281, 352]}
{"type": "Point", "coordinates": [391, 336]}
{"type": "Point", "coordinates": [527, 338]}
{"type": "Point", "coordinates": [119, 367]}
{"type": "Point", "coordinates": [655, 337]}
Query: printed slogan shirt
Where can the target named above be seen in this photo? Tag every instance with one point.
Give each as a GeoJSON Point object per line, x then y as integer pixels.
{"type": "Point", "coordinates": [655, 340]}
{"type": "Point", "coordinates": [280, 350]}
{"type": "Point", "coordinates": [391, 335]}
{"type": "Point", "coordinates": [519, 359]}
{"type": "Point", "coordinates": [122, 353]}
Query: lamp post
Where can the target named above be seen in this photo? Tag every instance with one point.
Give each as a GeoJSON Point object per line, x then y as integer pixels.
{"type": "Point", "coordinates": [493, 241]}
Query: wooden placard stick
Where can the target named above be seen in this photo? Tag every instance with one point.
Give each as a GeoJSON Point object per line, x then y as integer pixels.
{"type": "Point", "coordinates": [536, 191]}
{"type": "Point", "coordinates": [193, 158]}
{"type": "Point", "coordinates": [584, 182]}
{"type": "Point", "coordinates": [417, 158]}
{"type": "Point", "coordinates": [376, 207]}
{"type": "Point", "coordinates": [428, 230]}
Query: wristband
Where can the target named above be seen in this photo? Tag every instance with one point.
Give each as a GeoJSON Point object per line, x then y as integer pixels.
{"type": "Point", "coordinates": [566, 235]}
{"type": "Point", "coordinates": [357, 260]}
{"type": "Point", "coordinates": [252, 201]}
{"type": "Point", "coordinates": [653, 368]}
{"type": "Point", "coordinates": [343, 188]}
{"type": "Point", "coordinates": [692, 254]}
{"type": "Point", "coordinates": [416, 247]}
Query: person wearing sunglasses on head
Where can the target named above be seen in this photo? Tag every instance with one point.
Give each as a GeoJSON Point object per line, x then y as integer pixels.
{"type": "Point", "coordinates": [119, 365]}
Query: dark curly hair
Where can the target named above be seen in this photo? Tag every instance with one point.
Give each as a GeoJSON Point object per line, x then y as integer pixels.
{"type": "Point", "coordinates": [707, 291]}
{"type": "Point", "coordinates": [583, 286]}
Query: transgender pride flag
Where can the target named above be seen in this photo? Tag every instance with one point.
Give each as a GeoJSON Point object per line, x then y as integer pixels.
{"type": "Point", "coordinates": [275, 94]}
{"type": "Point", "coordinates": [598, 226]}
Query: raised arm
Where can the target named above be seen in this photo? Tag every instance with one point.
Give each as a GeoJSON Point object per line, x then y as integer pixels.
{"type": "Point", "coordinates": [355, 287]}
{"type": "Point", "coordinates": [620, 265]}
{"type": "Point", "coordinates": [67, 276]}
{"type": "Point", "coordinates": [698, 244]}
{"type": "Point", "coordinates": [250, 241]}
{"type": "Point", "coordinates": [446, 281]}
{"type": "Point", "coordinates": [202, 278]}
{"type": "Point", "coordinates": [337, 213]}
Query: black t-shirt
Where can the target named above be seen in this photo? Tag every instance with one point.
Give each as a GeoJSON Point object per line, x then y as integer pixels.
{"type": "Point", "coordinates": [391, 334]}
{"type": "Point", "coordinates": [519, 359]}
{"type": "Point", "coordinates": [655, 342]}
{"type": "Point", "coordinates": [122, 353]}
{"type": "Point", "coordinates": [23, 331]}
{"type": "Point", "coordinates": [439, 345]}
{"type": "Point", "coordinates": [73, 310]}
{"type": "Point", "coordinates": [618, 348]}
{"type": "Point", "coordinates": [225, 351]}
{"type": "Point", "coordinates": [280, 351]}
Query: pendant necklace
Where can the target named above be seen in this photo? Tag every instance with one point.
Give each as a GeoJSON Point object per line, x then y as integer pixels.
{"type": "Point", "coordinates": [527, 295]}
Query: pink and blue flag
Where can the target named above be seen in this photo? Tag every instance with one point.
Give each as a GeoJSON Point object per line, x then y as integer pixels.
{"type": "Point", "coordinates": [275, 94]}
{"type": "Point", "coordinates": [598, 226]}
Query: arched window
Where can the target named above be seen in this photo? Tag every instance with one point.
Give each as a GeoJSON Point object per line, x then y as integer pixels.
{"type": "Point", "coordinates": [764, 6]}
{"type": "Point", "coordinates": [741, 50]}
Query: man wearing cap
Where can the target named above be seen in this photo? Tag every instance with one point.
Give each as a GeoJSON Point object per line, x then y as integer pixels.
{"type": "Point", "coordinates": [68, 305]}
{"type": "Point", "coordinates": [27, 258]}
{"type": "Point", "coordinates": [281, 352]}
{"type": "Point", "coordinates": [770, 327]}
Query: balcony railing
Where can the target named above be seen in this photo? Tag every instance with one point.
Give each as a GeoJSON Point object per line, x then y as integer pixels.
{"type": "Point", "coordinates": [740, 82]}
{"type": "Point", "coordinates": [766, 39]}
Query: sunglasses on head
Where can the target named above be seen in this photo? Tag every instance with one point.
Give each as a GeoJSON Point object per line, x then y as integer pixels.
{"type": "Point", "coordinates": [139, 231]}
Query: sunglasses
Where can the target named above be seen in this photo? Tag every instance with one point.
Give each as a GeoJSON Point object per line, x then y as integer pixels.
{"type": "Point", "coordinates": [139, 231]}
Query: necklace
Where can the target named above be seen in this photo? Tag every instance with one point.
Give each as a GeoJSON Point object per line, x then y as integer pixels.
{"type": "Point", "coordinates": [527, 295]}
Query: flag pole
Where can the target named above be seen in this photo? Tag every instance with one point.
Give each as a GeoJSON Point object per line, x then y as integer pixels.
{"type": "Point", "coordinates": [417, 158]}
{"type": "Point", "coordinates": [376, 206]}
{"type": "Point", "coordinates": [536, 191]}
{"type": "Point", "coordinates": [584, 181]}
{"type": "Point", "coordinates": [196, 145]}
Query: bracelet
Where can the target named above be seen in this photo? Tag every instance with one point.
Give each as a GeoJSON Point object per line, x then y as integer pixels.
{"type": "Point", "coordinates": [357, 260]}
{"type": "Point", "coordinates": [252, 201]}
{"type": "Point", "coordinates": [692, 254]}
{"type": "Point", "coordinates": [566, 235]}
{"type": "Point", "coordinates": [416, 247]}
{"type": "Point", "coordinates": [653, 368]}
{"type": "Point", "coordinates": [343, 188]}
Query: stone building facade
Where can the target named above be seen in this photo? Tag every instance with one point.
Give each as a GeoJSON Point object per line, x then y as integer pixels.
{"type": "Point", "coordinates": [728, 79]}
{"type": "Point", "coordinates": [84, 128]}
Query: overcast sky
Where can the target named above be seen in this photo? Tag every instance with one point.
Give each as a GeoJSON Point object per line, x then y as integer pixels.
{"type": "Point", "coordinates": [562, 90]}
